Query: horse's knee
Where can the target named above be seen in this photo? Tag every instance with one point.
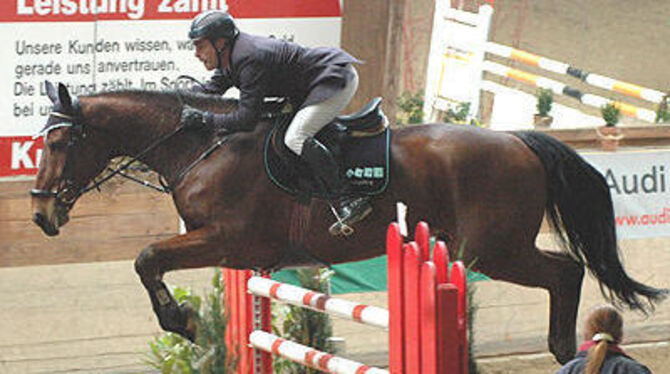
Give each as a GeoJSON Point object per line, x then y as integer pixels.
{"type": "Point", "coordinates": [146, 263]}
{"type": "Point", "coordinates": [571, 276]}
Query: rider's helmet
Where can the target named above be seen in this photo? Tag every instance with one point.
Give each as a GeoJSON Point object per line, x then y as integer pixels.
{"type": "Point", "coordinates": [213, 24]}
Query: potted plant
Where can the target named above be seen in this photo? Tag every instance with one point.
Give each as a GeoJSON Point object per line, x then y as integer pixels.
{"type": "Point", "coordinates": [545, 97]}
{"type": "Point", "coordinates": [410, 108]}
{"type": "Point", "coordinates": [662, 112]}
{"type": "Point", "coordinates": [610, 135]}
{"type": "Point", "coordinates": [458, 114]}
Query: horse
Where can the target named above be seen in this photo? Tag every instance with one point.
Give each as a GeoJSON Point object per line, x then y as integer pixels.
{"type": "Point", "coordinates": [485, 190]}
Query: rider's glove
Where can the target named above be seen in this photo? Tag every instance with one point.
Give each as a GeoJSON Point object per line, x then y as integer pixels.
{"type": "Point", "coordinates": [193, 119]}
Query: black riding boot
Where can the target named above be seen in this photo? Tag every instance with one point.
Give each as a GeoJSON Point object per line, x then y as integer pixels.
{"type": "Point", "coordinates": [326, 170]}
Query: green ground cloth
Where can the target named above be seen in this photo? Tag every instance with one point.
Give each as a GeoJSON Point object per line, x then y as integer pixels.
{"type": "Point", "coordinates": [356, 277]}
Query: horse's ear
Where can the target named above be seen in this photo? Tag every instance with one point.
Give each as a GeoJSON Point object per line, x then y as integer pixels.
{"type": "Point", "coordinates": [64, 96]}
{"type": "Point", "coordinates": [51, 91]}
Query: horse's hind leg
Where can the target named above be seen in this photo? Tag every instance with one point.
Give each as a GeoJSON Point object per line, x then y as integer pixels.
{"type": "Point", "coordinates": [557, 273]}
{"type": "Point", "coordinates": [193, 250]}
{"type": "Point", "coordinates": [565, 293]}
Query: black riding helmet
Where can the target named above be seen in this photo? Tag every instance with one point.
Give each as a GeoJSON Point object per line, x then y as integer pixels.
{"type": "Point", "coordinates": [213, 24]}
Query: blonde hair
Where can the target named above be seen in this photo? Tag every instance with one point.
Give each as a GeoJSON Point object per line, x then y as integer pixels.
{"type": "Point", "coordinates": [602, 320]}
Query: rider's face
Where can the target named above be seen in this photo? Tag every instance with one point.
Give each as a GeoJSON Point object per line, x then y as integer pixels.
{"type": "Point", "coordinates": [205, 52]}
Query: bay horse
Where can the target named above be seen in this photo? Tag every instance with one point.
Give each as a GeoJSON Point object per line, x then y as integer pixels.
{"type": "Point", "coordinates": [489, 190]}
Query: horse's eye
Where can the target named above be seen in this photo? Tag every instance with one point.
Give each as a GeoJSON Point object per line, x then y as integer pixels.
{"type": "Point", "coordinates": [55, 146]}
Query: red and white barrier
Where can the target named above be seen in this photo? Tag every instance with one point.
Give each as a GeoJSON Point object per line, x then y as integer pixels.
{"type": "Point", "coordinates": [426, 318]}
{"type": "Point", "coordinates": [289, 294]}
{"type": "Point", "coordinates": [308, 356]}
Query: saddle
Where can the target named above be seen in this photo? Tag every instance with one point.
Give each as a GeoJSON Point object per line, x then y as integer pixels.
{"type": "Point", "coordinates": [360, 142]}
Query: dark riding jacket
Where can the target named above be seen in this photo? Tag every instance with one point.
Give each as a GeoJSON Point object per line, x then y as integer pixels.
{"type": "Point", "coordinates": [265, 67]}
{"type": "Point", "coordinates": [615, 363]}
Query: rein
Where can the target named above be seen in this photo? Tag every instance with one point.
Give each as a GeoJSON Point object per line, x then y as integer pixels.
{"type": "Point", "coordinates": [126, 165]}
{"type": "Point", "coordinates": [202, 156]}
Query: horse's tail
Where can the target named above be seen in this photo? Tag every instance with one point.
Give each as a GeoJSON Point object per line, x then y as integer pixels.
{"type": "Point", "coordinates": [579, 206]}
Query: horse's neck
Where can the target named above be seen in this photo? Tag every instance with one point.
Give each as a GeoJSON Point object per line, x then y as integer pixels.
{"type": "Point", "coordinates": [187, 149]}
{"type": "Point", "coordinates": [152, 122]}
{"type": "Point", "coordinates": [130, 125]}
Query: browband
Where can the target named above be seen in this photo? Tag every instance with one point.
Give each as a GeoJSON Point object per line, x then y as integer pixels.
{"type": "Point", "coordinates": [69, 123]}
{"type": "Point", "coordinates": [46, 129]}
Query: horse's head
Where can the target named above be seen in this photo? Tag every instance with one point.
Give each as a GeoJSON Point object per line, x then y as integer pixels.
{"type": "Point", "coordinates": [67, 165]}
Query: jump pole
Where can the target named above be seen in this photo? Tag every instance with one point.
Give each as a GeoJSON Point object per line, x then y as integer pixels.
{"type": "Point", "coordinates": [596, 80]}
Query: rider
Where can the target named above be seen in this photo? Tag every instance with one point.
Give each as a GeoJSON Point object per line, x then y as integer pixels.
{"type": "Point", "coordinates": [319, 82]}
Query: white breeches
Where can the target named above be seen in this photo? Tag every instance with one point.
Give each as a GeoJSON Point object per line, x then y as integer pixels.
{"type": "Point", "coordinates": [309, 120]}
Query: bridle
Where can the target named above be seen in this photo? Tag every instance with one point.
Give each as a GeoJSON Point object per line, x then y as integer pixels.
{"type": "Point", "coordinates": [66, 184]}
{"type": "Point", "coordinates": [67, 191]}
{"type": "Point", "coordinates": [64, 194]}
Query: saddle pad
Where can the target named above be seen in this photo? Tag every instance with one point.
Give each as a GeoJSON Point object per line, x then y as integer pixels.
{"type": "Point", "coordinates": [366, 162]}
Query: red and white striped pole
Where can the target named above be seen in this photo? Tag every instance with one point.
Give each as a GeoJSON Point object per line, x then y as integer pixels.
{"type": "Point", "coordinates": [366, 314]}
{"type": "Point", "coordinates": [308, 356]}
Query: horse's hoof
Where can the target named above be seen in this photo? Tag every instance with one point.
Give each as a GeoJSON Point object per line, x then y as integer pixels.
{"type": "Point", "coordinates": [563, 352]}
{"type": "Point", "coordinates": [190, 330]}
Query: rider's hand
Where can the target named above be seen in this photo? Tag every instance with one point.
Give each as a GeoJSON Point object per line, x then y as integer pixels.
{"type": "Point", "coordinates": [193, 119]}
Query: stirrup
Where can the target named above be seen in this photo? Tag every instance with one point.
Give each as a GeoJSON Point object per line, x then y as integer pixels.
{"type": "Point", "coordinates": [339, 227]}
{"type": "Point", "coordinates": [343, 225]}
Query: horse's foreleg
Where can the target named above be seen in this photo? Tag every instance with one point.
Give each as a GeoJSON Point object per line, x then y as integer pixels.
{"type": "Point", "coordinates": [195, 249]}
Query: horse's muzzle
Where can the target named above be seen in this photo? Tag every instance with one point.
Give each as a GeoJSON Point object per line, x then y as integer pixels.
{"type": "Point", "coordinates": [46, 226]}
{"type": "Point", "coordinates": [49, 213]}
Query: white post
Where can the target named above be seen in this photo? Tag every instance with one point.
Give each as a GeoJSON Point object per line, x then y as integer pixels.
{"type": "Point", "coordinates": [455, 61]}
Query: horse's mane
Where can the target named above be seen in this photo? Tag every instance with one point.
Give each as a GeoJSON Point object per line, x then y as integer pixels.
{"type": "Point", "coordinates": [195, 99]}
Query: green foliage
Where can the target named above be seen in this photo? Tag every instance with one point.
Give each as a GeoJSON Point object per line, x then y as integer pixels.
{"type": "Point", "coordinates": [305, 326]}
{"type": "Point", "coordinates": [173, 354]}
{"type": "Point", "coordinates": [410, 108]}
{"type": "Point", "coordinates": [610, 114]}
{"type": "Point", "coordinates": [472, 311]}
{"type": "Point", "coordinates": [545, 98]}
{"type": "Point", "coordinates": [460, 115]}
{"type": "Point", "coordinates": [662, 112]}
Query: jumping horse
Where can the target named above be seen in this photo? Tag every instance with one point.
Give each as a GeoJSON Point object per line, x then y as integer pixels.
{"type": "Point", "coordinates": [486, 190]}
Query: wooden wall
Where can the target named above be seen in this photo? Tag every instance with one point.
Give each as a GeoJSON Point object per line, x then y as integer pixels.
{"type": "Point", "coordinates": [393, 39]}
{"type": "Point", "coordinates": [111, 225]}
{"type": "Point", "coordinates": [364, 34]}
